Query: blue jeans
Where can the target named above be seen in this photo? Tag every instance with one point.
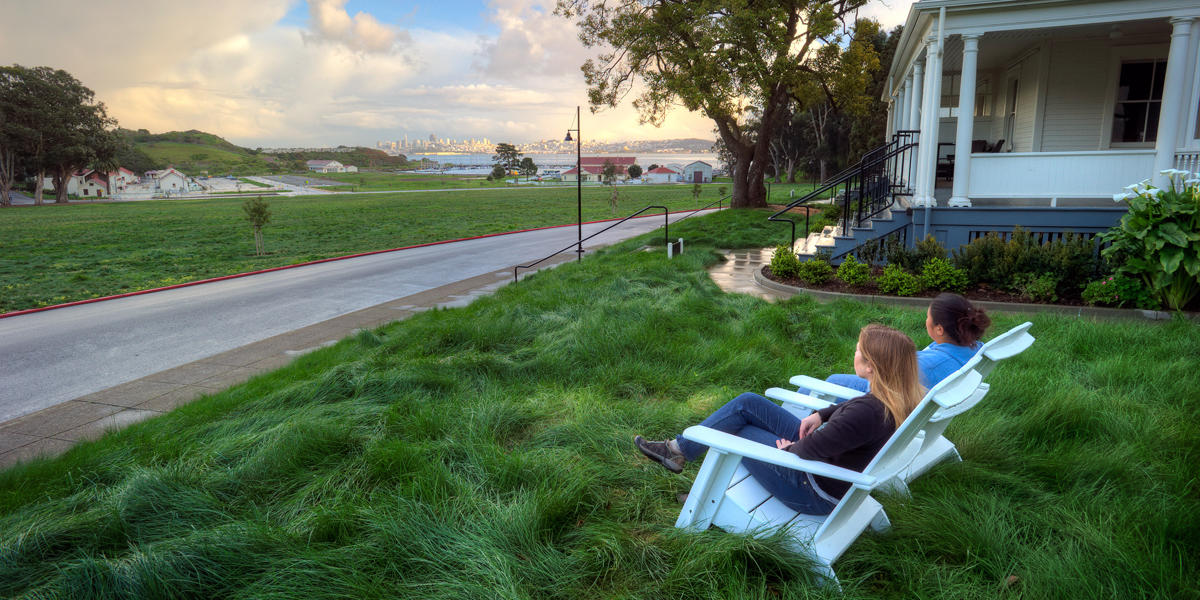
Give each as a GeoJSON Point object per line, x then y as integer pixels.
{"type": "Point", "coordinates": [755, 418]}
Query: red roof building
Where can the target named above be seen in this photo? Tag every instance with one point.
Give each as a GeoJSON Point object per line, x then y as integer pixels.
{"type": "Point", "coordinates": [593, 167]}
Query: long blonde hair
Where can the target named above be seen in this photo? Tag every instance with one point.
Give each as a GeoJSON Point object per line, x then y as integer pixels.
{"type": "Point", "coordinates": [895, 378]}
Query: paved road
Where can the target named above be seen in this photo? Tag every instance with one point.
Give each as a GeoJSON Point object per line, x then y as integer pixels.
{"type": "Point", "coordinates": [54, 356]}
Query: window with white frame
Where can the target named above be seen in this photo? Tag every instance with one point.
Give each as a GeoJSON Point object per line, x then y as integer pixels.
{"type": "Point", "coordinates": [1139, 100]}
{"type": "Point", "coordinates": [950, 87]}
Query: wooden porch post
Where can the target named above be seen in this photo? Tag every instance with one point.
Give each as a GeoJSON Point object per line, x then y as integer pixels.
{"type": "Point", "coordinates": [1169, 122]}
{"type": "Point", "coordinates": [966, 120]}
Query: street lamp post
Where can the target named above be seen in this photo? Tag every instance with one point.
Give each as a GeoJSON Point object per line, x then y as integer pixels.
{"type": "Point", "coordinates": [578, 183]}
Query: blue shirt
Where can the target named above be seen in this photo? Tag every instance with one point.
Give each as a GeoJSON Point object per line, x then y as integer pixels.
{"type": "Point", "coordinates": [938, 361]}
{"type": "Point", "coordinates": [935, 363]}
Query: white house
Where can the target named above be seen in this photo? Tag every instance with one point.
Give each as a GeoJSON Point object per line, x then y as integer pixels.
{"type": "Point", "coordinates": [698, 172]}
{"type": "Point", "coordinates": [661, 175]}
{"type": "Point", "coordinates": [168, 181]}
{"type": "Point", "coordinates": [1066, 99]}
{"type": "Point", "coordinates": [326, 166]}
{"type": "Point", "coordinates": [1011, 112]}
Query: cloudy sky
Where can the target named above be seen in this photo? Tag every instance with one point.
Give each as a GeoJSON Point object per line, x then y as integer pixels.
{"type": "Point", "coordinates": [327, 72]}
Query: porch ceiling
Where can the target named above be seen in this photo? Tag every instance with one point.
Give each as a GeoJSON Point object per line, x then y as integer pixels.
{"type": "Point", "coordinates": [999, 48]}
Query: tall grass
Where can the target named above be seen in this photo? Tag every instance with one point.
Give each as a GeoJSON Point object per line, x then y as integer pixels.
{"type": "Point", "coordinates": [484, 452]}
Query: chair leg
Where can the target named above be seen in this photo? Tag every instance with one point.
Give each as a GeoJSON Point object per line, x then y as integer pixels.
{"type": "Point", "coordinates": [880, 523]}
{"type": "Point", "coordinates": [827, 576]}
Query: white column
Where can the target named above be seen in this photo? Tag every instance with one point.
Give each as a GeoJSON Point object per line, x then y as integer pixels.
{"type": "Point", "coordinates": [917, 81]}
{"type": "Point", "coordinates": [1169, 121]}
{"type": "Point", "coordinates": [931, 99]}
{"type": "Point", "coordinates": [905, 101]}
{"type": "Point", "coordinates": [914, 108]}
{"type": "Point", "coordinates": [966, 121]}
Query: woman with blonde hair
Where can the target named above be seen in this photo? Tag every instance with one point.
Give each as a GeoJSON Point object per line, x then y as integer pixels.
{"type": "Point", "coordinates": [847, 435]}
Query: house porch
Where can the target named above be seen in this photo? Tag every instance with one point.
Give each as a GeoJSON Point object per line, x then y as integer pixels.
{"type": "Point", "coordinates": [1069, 101]}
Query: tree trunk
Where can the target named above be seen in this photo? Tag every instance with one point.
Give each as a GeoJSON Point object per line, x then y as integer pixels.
{"type": "Point", "coordinates": [823, 169]}
{"type": "Point", "coordinates": [8, 161]}
{"type": "Point", "coordinates": [39, 187]}
{"type": "Point", "coordinates": [61, 177]}
{"type": "Point", "coordinates": [791, 170]}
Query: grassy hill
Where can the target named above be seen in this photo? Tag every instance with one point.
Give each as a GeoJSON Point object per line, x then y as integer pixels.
{"type": "Point", "coordinates": [196, 153]}
{"type": "Point", "coordinates": [193, 152]}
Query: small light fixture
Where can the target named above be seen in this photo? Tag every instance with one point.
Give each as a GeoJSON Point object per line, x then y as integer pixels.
{"type": "Point", "coordinates": [568, 138]}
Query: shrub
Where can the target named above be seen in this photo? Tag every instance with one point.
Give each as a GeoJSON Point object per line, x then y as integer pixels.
{"type": "Point", "coordinates": [991, 260]}
{"type": "Point", "coordinates": [1158, 240]}
{"type": "Point", "coordinates": [981, 259]}
{"type": "Point", "coordinates": [895, 280]}
{"type": "Point", "coordinates": [815, 271]}
{"type": "Point", "coordinates": [1036, 288]}
{"type": "Point", "coordinates": [939, 274]}
{"type": "Point", "coordinates": [853, 272]}
{"type": "Point", "coordinates": [1119, 290]}
{"type": "Point", "coordinates": [784, 263]}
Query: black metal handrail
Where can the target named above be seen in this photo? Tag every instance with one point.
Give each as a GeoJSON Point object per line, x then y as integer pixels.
{"type": "Point", "coordinates": [666, 237]}
{"type": "Point", "coordinates": [875, 175]}
{"type": "Point", "coordinates": [720, 202]}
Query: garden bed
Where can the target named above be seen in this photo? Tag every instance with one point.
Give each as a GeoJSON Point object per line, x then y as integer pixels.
{"type": "Point", "coordinates": [983, 292]}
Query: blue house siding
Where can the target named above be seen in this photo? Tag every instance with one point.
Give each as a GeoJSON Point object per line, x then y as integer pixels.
{"type": "Point", "coordinates": [954, 227]}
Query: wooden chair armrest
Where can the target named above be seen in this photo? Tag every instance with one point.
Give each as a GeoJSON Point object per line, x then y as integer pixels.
{"type": "Point", "coordinates": [733, 444]}
{"type": "Point", "coordinates": [821, 386]}
{"type": "Point", "coordinates": [790, 397]}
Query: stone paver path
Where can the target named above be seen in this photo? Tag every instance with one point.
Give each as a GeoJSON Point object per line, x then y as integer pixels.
{"type": "Point", "coordinates": [736, 273]}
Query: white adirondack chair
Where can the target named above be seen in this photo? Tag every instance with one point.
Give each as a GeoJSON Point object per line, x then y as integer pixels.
{"type": "Point", "coordinates": [724, 494]}
{"type": "Point", "coordinates": [936, 447]}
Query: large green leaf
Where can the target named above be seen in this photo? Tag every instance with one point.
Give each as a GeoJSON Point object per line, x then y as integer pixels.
{"type": "Point", "coordinates": [1171, 232]}
{"type": "Point", "coordinates": [1170, 258]}
{"type": "Point", "coordinates": [1191, 264]}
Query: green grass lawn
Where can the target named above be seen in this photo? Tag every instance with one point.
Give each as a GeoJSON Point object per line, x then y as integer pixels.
{"type": "Point", "coordinates": [484, 452]}
{"type": "Point", "coordinates": [55, 254]}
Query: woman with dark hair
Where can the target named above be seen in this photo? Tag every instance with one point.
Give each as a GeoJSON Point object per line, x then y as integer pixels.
{"type": "Point", "coordinates": [956, 328]}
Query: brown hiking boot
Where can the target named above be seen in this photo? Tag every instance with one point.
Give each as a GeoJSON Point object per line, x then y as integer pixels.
{"type": "Point", "coordinates": [661, 453]}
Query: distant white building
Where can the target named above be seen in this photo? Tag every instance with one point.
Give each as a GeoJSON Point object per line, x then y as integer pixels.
{"type": "Point", "coordinates": [327, 166]}
{"type": "Point", "coordinates": [168, 181]}
{"type": "Point", "coordinates": [89, 183]}
{"type": "Point", "coordinates": [698, 172]}
{"type": "Point", "coordinates": [661, 175]}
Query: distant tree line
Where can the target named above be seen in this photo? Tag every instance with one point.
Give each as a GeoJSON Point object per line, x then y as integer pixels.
{"type": "Point", "coordinates": [51, 125]}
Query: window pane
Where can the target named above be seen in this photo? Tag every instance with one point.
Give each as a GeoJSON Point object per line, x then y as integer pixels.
{"type": "Point", "coordinates": [1151, 132]}
{"type": "Point", "coordinates": [1135, 81]}
{"type": "Point", "coordinates": [1160, 75]}
{"type": "Point", "coordinates": [1129, 122]}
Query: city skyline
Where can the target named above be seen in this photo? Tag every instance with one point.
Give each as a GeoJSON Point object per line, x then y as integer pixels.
{"type": "Point", "coordinates": [329, 72]}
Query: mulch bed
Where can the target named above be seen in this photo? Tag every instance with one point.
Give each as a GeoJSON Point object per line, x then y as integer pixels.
{"type": "Point", "coordinates": [981, 292]}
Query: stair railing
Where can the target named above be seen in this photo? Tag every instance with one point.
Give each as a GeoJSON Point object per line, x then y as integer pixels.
{"type": "Point", "coordinates": [872, 184]}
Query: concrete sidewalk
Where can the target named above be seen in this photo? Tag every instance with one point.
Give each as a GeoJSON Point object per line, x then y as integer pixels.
{"type": "Point", "coordinates": [54, 430]}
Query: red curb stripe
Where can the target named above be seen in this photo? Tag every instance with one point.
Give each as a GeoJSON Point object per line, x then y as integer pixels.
{"type": "Point", "coordinates": [303, 264]}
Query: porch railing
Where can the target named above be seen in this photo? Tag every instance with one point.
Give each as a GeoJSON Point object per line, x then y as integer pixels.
{"type": "Point", "coordinates": [865, 189]}
{"type": "Point", "coordinates": [1188, 161]}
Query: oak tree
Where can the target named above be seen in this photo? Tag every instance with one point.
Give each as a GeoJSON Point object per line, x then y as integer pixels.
{"type": "Point", "coordinates": [725, 58]}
